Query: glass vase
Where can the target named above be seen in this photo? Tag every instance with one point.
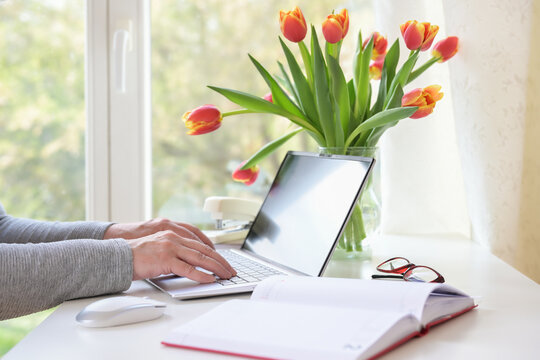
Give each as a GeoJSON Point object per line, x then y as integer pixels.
{"type": "Point", "coordinates": [363, 227]}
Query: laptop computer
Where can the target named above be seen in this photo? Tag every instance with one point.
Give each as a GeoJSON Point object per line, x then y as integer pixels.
{"type": "Point", "coordinates": [296, 229]}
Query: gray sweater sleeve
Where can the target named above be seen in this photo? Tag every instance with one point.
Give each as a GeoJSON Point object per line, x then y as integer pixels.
{"type": "Point", "coordinates": [39, 271]}
{"type": "Point", "coordinates": [22, 231]}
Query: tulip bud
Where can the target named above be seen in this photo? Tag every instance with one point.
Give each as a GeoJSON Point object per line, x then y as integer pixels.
{"type": "Point", "coordinates": [379, 45]}
{"type": "Point", "coordinates": [446, 48]}
{"type": "Point", "coordinates": [375, 69]}
{"type": "Point", "coordinates": [336, 26]}
{"type": "Point", "coordinates": [268, 97]}
{"type": "Point", "coordinates": [202, 120]}
{"type": "Point", "coordinates": [293, 25]}
{"type": "Point", "coordinates": [247, 176]}
{"type": "Point", "coordinates": [413, 34]}
{"type": "Point", "coordinates": [425, 99]}
{"type": "Point", "coordinates": [418, 35]}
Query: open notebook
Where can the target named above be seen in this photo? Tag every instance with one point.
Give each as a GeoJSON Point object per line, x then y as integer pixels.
{"type": "Point", "coordinates": [322, 318]}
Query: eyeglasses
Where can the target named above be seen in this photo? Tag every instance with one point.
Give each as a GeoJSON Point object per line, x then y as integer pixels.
{"type": "Point", "coordinates": [407, 271]}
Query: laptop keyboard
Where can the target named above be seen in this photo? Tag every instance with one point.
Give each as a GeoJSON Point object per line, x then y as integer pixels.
{"type": "Point", "coordinates": [247, 270]}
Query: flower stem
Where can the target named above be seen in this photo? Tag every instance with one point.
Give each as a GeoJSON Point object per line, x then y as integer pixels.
{"type": "Point", "coordinates": [413, 75]}
{"type": "Point", "coordinates": [238, 112]}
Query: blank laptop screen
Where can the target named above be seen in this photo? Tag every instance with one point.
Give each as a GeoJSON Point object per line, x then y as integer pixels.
{"type": "Point", "coordinates": [306, 209]}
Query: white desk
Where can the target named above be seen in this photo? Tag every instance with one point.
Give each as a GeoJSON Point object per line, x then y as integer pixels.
{"type": "Point", "coordinates": [506, 325]}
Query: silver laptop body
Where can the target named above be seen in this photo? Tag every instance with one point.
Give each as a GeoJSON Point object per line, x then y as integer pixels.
{"type": "Point", "coordinates": [296, 229]}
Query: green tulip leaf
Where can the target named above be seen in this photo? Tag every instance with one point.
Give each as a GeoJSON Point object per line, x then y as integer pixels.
{"type": "Point", "coordinates": [279, 96]}
{"type": "Point", "coordinates": [395, 102]}
{"type": "Point", "coordinates": [376, 133]}
{"type": "Point", "coordinates": [352, 93]}
{"type": "Point", "coordinates": [357, 60]}
{"type": "Point", "coordinates": [387, 75]}
{"type": "Point", "coordinates": [286, 81]}
{"type": "Point", "coordinates": [322, 91]}
{"type": "Point", "coordinates": [340, 92]}
{"type": "Point", "coordinates": [259, 105]}
{"type": "Point", "coordinates": [302, 86]}
{"type": "Point", "coordinates": [269, 148]}
{"type": "Point", "coordinates": [390, 62]}
{"type": "Point", "coordinates": [381, 119]}
{"type": "Point", "coordinates": [306, 57]}
{"type": "Point", "coordinates": [401, 77]}
{"type": "Point", "coordinates": [362, 87]}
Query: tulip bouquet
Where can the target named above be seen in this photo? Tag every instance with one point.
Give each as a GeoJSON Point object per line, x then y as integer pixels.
{"type": "Point", "coordinates": [318, 99]}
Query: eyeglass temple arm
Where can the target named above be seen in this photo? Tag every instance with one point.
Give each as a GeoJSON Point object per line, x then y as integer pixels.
{"type": "Point", "coordinates": [377, 276]}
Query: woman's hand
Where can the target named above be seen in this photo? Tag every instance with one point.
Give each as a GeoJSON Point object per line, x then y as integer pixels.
{"type": "Point", "coordinates": [162, 246]}
{"type": "Point", "coordinates": [145, 228]}
{"type": "Point", "coordinates": [166, 252]}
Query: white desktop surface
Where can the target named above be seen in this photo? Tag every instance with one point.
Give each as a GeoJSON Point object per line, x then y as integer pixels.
{"type": "Point", "coordinates": [505, 325]}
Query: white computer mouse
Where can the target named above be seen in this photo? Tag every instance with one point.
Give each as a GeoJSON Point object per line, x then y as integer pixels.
{"type": "Point", "coordinates": [120, 310]}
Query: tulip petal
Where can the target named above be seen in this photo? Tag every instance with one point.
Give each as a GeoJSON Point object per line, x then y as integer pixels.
{"type": "Point", "coordinates": [345, 15]}
{"type": "Point", "coordinates": [205, 113]}
{"type": "Point", "coordinates": [293, 29]}
{"type": "Point", "coordinates": [429, 36]}
{"type": "Point", "coordinates": [414, 36]}
{"type": "Point", "coordinates": [403, 27]}
{"type": "Point", "coordinates": [410, 98]}
{"type": "Point", "coordinates": [434, 91]}
{"type": "Point", "coordinates": [268, 97]}
{"type": "Point", "coordinates": [446, 49]}
{"type": "Point", "coordinates": [332, 30]}
{"type": "Point", "coordinates": [300, 16]}
{"type": "Point", "coordinates": [423, 111]}
{"type": "Point", "coordinates": [204, 130]}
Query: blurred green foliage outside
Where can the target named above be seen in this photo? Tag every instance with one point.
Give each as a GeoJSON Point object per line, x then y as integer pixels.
{"type": "Point", "coordinates": [42, 120]}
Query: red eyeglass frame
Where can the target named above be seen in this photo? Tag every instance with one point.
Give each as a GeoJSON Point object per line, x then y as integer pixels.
{"type": "Point", "coordinates": [403, 270]}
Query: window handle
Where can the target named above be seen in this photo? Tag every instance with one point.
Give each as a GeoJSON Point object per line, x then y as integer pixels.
{"type": "Point", "coordinates": [121, 45]}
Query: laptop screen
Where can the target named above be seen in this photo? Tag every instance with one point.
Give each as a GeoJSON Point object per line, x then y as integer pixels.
{"type": "Point", "coordinates": [306, 209]}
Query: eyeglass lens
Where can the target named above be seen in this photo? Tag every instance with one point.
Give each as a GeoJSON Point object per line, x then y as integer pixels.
{"type": "Point", "coordinates": [393, 264]}
{"type": "Point", "coordinates": [420, 274]}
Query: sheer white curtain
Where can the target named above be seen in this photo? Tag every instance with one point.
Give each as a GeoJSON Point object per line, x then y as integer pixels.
{"type": "Point", "coordinates": [494, 109]}
{"type": "Point", "coordinates": [422, 183]}
{"type": "Point", "coordinates": [496, 84]}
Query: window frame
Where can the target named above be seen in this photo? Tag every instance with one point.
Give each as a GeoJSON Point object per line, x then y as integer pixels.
{"type": "Point", "coordinates": [118, 140]}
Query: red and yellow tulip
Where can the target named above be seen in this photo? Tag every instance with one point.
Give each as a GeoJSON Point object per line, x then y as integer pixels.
{"type": "Point", "coordinates": [379, 45]}
{"type": "Point", "coordinates": [375, 69]}
{"type": "Point", "coordinates": [202, 120]}
{"type": "Point", "coordinates": [418, 35]}
{"type": "Point", "coordinates": [293, 25]}
{"type": "Point", "coordinates": [446, 48]}
{"type": "Point", "coordinates": [425, 99]}
{"type": "Point", "coordinates": [336, 26]}
{"type": "Point", "coordinates": [247, 176]}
